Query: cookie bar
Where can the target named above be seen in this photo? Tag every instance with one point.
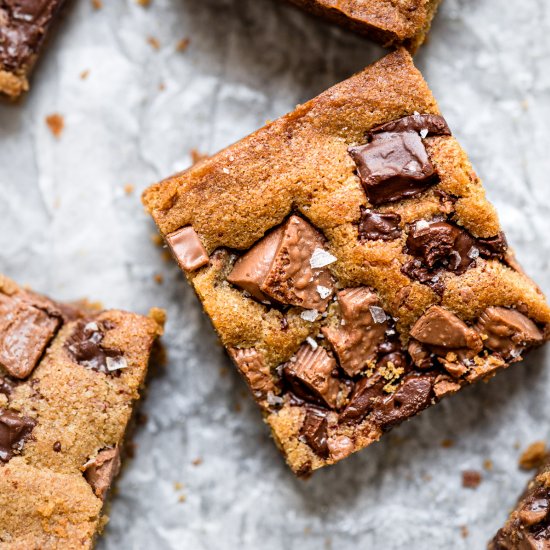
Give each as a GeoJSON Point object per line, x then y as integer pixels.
{"type": "Point", "coordinates": [528, 526]}
{"type": "Point", "coordinates": [350, 263]}
{"type": "Point", "coordinates": [391, 24]}
{"type": "Point", "coordinates": [69, 378]}
{"type": "Point", "coordinates": [24, 25]}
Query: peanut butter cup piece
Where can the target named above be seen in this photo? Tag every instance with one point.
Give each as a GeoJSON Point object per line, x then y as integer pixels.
{"type": "Point", "coordinates": [187, 248]}
{"type": "Point", "coordinates": [15, 429]}
{"type": "Point", "coordinates": [507, 331]}
{"type": "Point", "coordinates": [100, 471]}
{"type": "Point", "coordinates": [250, 363]}
{"type": "Point", "coordinates": [310, 374]}
{"type": "Point", "coordinates": [288, 266]}
{"type": "Point", "coordinates": [25, 332]}
{"type": "Point", "coordinates": [314, 430]}
{"type": "Point", "coordinates": [365, 323]}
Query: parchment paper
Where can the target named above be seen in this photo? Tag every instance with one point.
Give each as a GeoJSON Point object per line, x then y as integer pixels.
{"type": "Point", "coordinates": [68, 228]}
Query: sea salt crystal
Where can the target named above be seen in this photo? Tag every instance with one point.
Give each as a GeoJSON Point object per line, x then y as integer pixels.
{"type": "Point", "coordinates": [91, 326]}
{"type": "Point", "coordinates": [312, 342]}
{"type": "Point", "coordinates": [423, 133]}
{"type": "Point", "coordinates": [421, 224]}
{"type": "Point", "coordinates": [378, 314]}
{"type": "Point", "coordinates": [116, 363]}
{"type": "Point", "coordinates": [323, 291]}
{"type": "Point", "coordinates": [225, 170]}
{"type": "Point", "coordinates": [273, 399]}
{"type": "Point", "coordinates": [473, 253]}
{"type": "Point", "coordinates": [309, 315]}
{"type": "Point", "coordinates": [321, 258]}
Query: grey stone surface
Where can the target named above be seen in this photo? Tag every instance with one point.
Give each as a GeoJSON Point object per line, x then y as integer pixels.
{"type": "Point", "coordinates": [68, 229]}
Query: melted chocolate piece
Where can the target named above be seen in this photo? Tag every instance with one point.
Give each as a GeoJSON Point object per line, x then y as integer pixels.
{"type": "Point", "coordinates": [14, 431]}
{"type": "Point", "coordinates": [314, 430]}
{"type": "Point", "coordinates": [85, 347]}
{"type": "Point", "coordinates": [431, 125]}
{"type": "Point", "coordinates": [413, 395]}
{"type": "Point", "coordinates": [23, 32]}
{"type": "Point", "coordinates": [382, 226]}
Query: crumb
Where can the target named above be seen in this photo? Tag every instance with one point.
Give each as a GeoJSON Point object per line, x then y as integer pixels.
{"type": "Point", "coordinates": [182, 498]}
{"type": "Point", "coordinates": [464, 531]}
{"type": "Point", "coordinates": [488, 464]}
{"type": "Point", "coordinates": [178, 486]}
{"type": "Point", "coordinates": [183, 44]}
{"type": "Point", "coordinates": [197, 461]}
{"type": "Point", "coordinates": [157, 239]}
{"type": "Point", "coordinates": [447, 443]}
{"type": "Point", "coordinates": [153, 42]}
{"type": "Point", "coordinates": [97, 4]}
{"type": "Point", "coordinates": [129, 188]}
{"type": "Point", "coordinates": [143, 3]}
{"type": "Point", "coordinates": [158, 278]}
{"type": "Point", "coordinates": [55, 123]}
{"type": "Point", "coordinates": [84, 74]}
{"type": "Point", "coordinates": [196, 156]}
{"type": "Point", "coordinates": [162, 86]}
{"type": "Point", "coordinates": [533, 456]}
{"type": "Point", "coordinates": [471, 479]}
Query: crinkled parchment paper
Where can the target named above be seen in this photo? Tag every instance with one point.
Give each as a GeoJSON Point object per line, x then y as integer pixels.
{"type": "Point", "coordinates": [68, 228]}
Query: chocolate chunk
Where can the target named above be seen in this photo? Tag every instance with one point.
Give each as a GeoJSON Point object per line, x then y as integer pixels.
{"type": "Point", "coordinates": [100, 471]}
{"type": "Point", "coordinates": [367, 392]}
{"type": "Point", "coordinates": [310, 374]}
{"type": "Point", "coordinates": [250, 363]}
{"type": "Point", "coordinates": [471, 479]}
{"type": "Point", "coordinates": [429, 125]}
{"type": "Point", "coordinates": [85, 347]}
{"type": "Point", "coordinates": [420, 356]}
{"type": "Point", "coordinates": [25, 332]}
{"type": "Point", "coordinates": [444, 331]}
{"type": "Point", "coordinates": [507, 331]}
{"type": "Point", "coordinates": [536, 507]}
{"type": "Point", "coordinates": [365, 323]}
{"type": "Point", "coordinates": [413, 395]}
{"type": "Point", "coordinates": [493, 247]}
{"type": "Point", "coordinates": [6, 386]}
{"type": "Point", "coordinates": [393, 166]}
{"type": "Point", "coordinates": [288, 266]}
{"type": "Point", "coordinates": [314, 430]}
{"type": "Point", "coordinates": [382, 226]}
{"type": "Point", "coordinates": [187, 249]}
{"type": "Point", "coordinates": [14, 431]}
{"type": "Point", "coordinates": [340, 447]}
{"type": "Point", "coordinates": [57, 447]}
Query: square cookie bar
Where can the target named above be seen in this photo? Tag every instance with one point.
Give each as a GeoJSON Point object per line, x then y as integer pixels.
{"type": "Point", "coordinates": [528, 526]}
{"type": "Point", "coordinates": [24, 25]}
{"type": "Point", "coordinates": [389, 23]}
{"type": "Point", "coordinates": [69, 379]}
{"type": "Point", "coordinates": [350, 263]}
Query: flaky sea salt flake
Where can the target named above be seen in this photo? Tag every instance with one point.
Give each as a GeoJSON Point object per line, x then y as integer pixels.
{"type": "Point", "coordinates": [321, 258]}
{"type": "Point", "coordinates": [378, 314]}
{"type": "Point", "coordinates": [309, 315]}
{"type": "Point", "coordinates": [323, 291]}
{"type": "Point", "coordinates": [116, 363]}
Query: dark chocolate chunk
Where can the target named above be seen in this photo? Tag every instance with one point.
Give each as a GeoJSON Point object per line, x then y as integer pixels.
{"type": "Point", "coordinates": [368, 391]}
{"type": "Point", "coordinates": [6, 385]}
{"type": "Point", "coordinates": [424, 124]}
{"type": "Point", "coordinates": [57, 447]}
{"type": "Point", "coordinates": [393, 166]}
{"type": "Point", "coordinates": [100, 471]}
{"type": "Point", "coordinates": [187, 249]}
{"type": "Point", "coordinates": [15, 429]}
{"type": "Point", "coordinates": [25, 332]}
{"type": "Point", "coordinates": [413, 395]}
{"type": "Point", "coordinates": [382, 226]}
{"type": "Point", "coordinates": [314, 430]}
{"type": "Point", "coordinates": [493, 247]}
{"type": "Point", "coordinates": [85, 347]}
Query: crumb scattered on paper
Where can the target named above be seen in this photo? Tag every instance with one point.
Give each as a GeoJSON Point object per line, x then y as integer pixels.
{"type": "Point", "coordinates": [533, 456]}
{"type": "Point", "coordinates": [471, 479]}
{"type": "Point", "coordinates": [55, 123]}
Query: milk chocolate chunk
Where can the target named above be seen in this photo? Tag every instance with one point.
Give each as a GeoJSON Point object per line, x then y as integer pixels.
{"type": "Point", "coordinates": [443, 330]}
{"type": "Point", "coordinates": [420, 356]}
{"type": "Point", "coordinates": [393, 166]}
{"type": "Point", "coordinates": [379, 226]}
{"type": "Point", "coordinates": [187, 248]}
{"type": "Point", "coordinates": [412, 396]}
{"type": "Point", "coordinates": [314, 430]}
{"type": "Point", "coordinates": [366, 393]}
{"type": "Point", "coordinates": [507, 331]}
{"type": "Point", "coordinates": [365, 323]}
{"type": "Point", "coordinates": [100, 471]}
{"type": "Point", "coordinates": [310, 374]}
{"type": "Point", "coordinates": [424, 124]}
{"type": "Point", "coordinates": [288, 266]}
{"type": "Point", "coordinates": [85, 347]}
{"type": "Point", "coordinates": [25, 332]}
{"type": "Point", "coordinates": [15, 429]}
{"type": "Point", "coordinates": [251, 364]}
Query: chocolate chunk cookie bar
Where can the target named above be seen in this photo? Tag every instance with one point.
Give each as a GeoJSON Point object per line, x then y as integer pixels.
{"type": "Point", "coordinates": [528, 526]}
{"type": "Point", "coordinates": [24, 25]}
{"type": "Point", "coordinates": [350, 263]}
{"type": "Point", "coordinates": [405, 23]}
{"type": "Point", "coordinates": [69, 378]}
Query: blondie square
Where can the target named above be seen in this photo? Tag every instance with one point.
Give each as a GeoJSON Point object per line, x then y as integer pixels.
{"type": "Point", "coordinates": [350, 263]}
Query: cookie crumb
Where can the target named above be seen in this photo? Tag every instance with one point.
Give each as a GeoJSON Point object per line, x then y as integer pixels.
{"type": "Point", "coordinates": [129, 188]}
{"type": "Point", "coordinates": [162, 86]}
{"type": "Point", "coordinates": [158, 278]}
{"type": "Point", "coordinates": [183, 44]}
{"type": "Point", "coordinates": [447, 443]}
{"type": "Point", "coordinates": [182, 498]}
{"type": "Point", "coordinates": [197, 461]}
{"type": "Point", "coordinates": [471, 479]}
{"type": "Point", "coordinates": [488, 464]}
{"type": "Point", "coordinates": [97, 4]}
{"type": "Point", "coordinates": [178, 486]}
{"type": "Point", "coordinates": [143, 3]}
{"type": "Point", "coordinates": [55, 123]}
{"type": "Point", "coordinates": [153, 42]}
{"type": "Point", "coordinates": [533, 456]}
{"type": "Point", "coordinates": [464, 531]}
{"type": "Point", "coordinates": [84, 74]}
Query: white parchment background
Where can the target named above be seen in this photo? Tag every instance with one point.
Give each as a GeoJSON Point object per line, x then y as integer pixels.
{"type": "Point", "coordinates": [68, 229]}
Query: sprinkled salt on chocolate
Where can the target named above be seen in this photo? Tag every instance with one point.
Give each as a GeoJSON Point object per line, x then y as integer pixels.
{"type": "Point", "coordinates": [321, 258]}
{"type": "Point", "coordinates": [310, 315]}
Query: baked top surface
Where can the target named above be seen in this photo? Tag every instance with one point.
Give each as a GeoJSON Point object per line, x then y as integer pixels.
{"type": "Point", "coordinates": [65, 416]}
{"type": "Point", "coordinates": [300, 165]}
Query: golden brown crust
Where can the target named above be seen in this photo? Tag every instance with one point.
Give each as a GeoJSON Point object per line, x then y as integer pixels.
{"type": "Point", "coordinates": [300, 164]}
